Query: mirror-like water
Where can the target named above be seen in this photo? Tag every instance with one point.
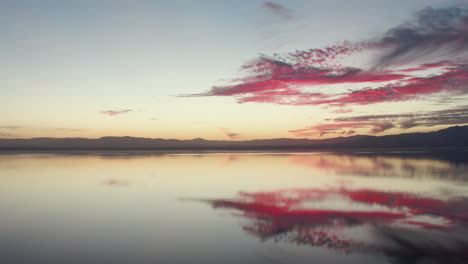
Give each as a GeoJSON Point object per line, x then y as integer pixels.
{"type": "Point", "coordinates": [321, 207]}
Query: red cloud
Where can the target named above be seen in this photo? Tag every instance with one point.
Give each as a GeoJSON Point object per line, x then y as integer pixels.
{"type": "Point", "coordinates": [435, 40]}
{"type": "Point", "coordinates": [454, 81]}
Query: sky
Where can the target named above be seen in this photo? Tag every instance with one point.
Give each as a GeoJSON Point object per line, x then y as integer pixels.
{"type": "Point", "coordinates": [231, 70]}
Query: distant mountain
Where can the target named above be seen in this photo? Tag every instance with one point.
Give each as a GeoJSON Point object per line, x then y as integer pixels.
{"type": "Point", "coordinates": [456, 136]}
{"type": "Point", "coordinates": [451, 137]}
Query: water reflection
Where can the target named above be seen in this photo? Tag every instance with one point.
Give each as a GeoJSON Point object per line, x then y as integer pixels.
{"type": "Point", "coordinates": [405, 227]}
{"type": "Point", "coordinates": [414, 166]}
{"type": "Point", "coordinates": [316, 207]}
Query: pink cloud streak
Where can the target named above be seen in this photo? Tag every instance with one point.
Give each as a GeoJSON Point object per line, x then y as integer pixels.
{"type": "Point", "coordinates": [115, 112]}
{"type": "Point", "coordinates": [398, 72]}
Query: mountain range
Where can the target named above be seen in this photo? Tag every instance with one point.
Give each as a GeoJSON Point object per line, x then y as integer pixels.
{"type": "Point", "coordinates": [456, 136]}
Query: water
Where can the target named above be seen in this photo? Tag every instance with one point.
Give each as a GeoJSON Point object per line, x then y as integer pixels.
{"type": "Point", "coordinates": [321, 207]}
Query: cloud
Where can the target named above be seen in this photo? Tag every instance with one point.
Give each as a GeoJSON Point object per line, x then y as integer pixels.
{"type": "Point", "coordinates": [9, 127]}
{"type": "Point", "coordinates": [456, 116]}
{"type": "Point", "coordinates": [381, 123]}
{"type": "Point", "coordinates": [278, 10]}
{"type": "Point", "coordinates": [432, 31]}
{"type": "Point", "coordinates": [72, 129]}
{"type": "Point", "coordinates": [115, 182]}
{"type": "Point", "coordinates": [340, 128]}
{"type": "Point", "coordinates": [342, 111]}
{"type": "Point", "coordinates": [381, 127]}
{"type": "Point", "coordinates": [227, 132]}
{"type": "Point", "coordinates": [427, 56]}
{"type": "Point", "coordinates": [115, 112]}
{"type": "Point", "coordinates": [7, 135]}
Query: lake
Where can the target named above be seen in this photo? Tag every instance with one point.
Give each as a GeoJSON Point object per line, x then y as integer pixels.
{"type": "Point", "coordinates": [252, 207]}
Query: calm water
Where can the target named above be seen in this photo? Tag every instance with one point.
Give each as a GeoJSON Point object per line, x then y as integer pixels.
{"type": "Point", "coordinates": [394, 207]}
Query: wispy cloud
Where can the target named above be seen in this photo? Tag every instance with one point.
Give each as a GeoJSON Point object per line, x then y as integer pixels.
{"type": "Point", "coordinates": [342, 111]}
{"type": "Point", "coordinates": [115, 112]}
{"type": "Point", "coordinates": [71, 129]}
{"type": "Point", "coordinates": [426, 56]}
{"type": "Point", "coordinates": [380, 123]}
{"type": "Point", "coordinates": [227, 132]}
{"type": "Point", "coordinates": [115, 182]}
{"type": "Point", "coordinates": [408, 120]}
{"type": "Point", "coordinates": [341, 128]}
{"type": "Point", "coordinates": [279, 10]}
{"type": "Point", "coordinates": [7, 135]}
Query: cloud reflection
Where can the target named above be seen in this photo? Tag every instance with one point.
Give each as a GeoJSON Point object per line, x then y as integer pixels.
{"type": "Point", "coordinates": [383, 165]}
{"type": "Point", "coordinates": [404, 227]}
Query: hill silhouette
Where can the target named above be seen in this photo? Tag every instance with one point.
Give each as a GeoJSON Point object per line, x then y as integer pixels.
{"type": "Point", "coordinates": [450, 137]}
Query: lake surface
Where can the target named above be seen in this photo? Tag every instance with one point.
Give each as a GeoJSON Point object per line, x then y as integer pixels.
{"type": "Point", "coordinates": [284, 207]}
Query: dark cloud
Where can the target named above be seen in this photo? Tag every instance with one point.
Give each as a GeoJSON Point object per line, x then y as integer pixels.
{"type": "Point", "coordinates": [115, 112]}
{"type": "Point", "coordinates": [457, 116]}
{"type": "Point", "coordinates": [436, 40]}
{"type": "Point", "coordinates": [431, 32]}
{"type": "Point", "coordinates": [382, 127]}
{"type": "Point", "coordinates": [227, 132]}
{"type": "Point", "coordinates": [278, 10]}
{"type": "Point", "coordinates": [381, 123]}
{"type": "Point", "coordinates": [372, 117]}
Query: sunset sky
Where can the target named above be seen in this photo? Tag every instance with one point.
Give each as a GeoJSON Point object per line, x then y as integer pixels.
{"type": "Point", "coordinates": [233, 70]}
